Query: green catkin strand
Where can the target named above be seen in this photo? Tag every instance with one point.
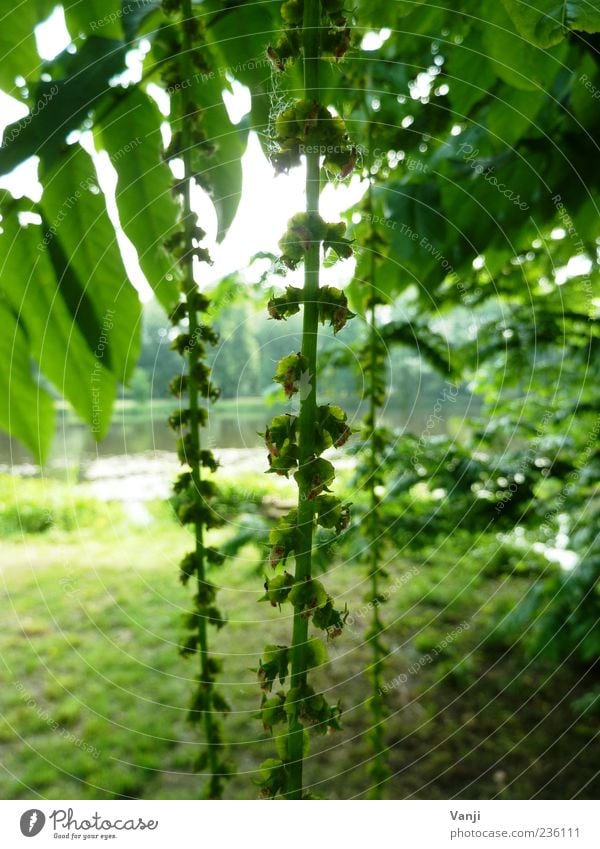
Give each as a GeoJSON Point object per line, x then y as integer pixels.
{"type": "Point", "coordinates": [308, 409]}
{"type": "Point", "coordinates": [378, 770]}
{"type": "Point", "coordinates": [376, 733]}
{"type": "Point", "coordinates": [296, 442]}
{"type": "Point", "coordinates": [204, 706]}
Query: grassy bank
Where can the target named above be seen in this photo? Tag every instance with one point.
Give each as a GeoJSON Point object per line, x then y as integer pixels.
{"type": "Point", "coordinates": [94, 692]}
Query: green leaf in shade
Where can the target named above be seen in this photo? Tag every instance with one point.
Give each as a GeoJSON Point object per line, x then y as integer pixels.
{"type": "Point", "coordinates": [66, 101]}
{"type": "Point", "coordinates": [417, 231]}
{"type": "Point", "coordinates": [74, 206]}
{"type": "Point", "coordinates": [583, 15]}
{"type": "Point", "coordinates": [98, 17]}
{"type": "Point", "coordinates": [541, 22]}
{"type": "Point", "coordinates": [512, 113]}
{"type": "Point", "coordinates": [547, 22]}
{"type": "Point", "coordinates": [514, 58]}
{"type": "Point", "coordinates": [147, 211]}
{"type": "Point", "coordinates": [17, 40]}
{"type": "Point", "coordinates": [56, 339]}
{"type": "Point", "coordinates": [26, 410]}
{"type": "Point", "coordinates": [586, 80]}
{"type": "Point", "coordinates": [240, 40]}
{"type": "Point", "coordinates": [470, 75]}
{"type": "Point", "coordinates": [220, 171]}
{"type": "Point", "coordinates": [135, 16]}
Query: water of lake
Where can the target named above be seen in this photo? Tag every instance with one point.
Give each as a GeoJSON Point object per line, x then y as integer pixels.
{"type": "Point", "coordinates": [136, 461]}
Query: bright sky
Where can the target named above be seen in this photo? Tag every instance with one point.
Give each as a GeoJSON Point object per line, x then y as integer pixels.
{"type": "Point", "coordinates": [267, 201]}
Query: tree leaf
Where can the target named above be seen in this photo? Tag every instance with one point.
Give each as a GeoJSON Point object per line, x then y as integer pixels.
{"type": "Point", "coordinates": [547, 22]}
{"type": "Point", "coordinates": [512, 113]}
{"type": "Point", "coordinates": [75, 209]}
{"type": "Point", "coordinates": [220, 171]}
{"type": "Point", "coordinates": [135, 16]}
{"type": "Point", "coordinates": [17, 40]}
{"type": "Point", "coordinates": [583, 15]}
{"type": "Point", "coordinates": [515, 59]}
{"type": "Point", "coordinates": [418, 234]}
{"type": "Point", "coordinates": [241, 38]}
{"type": "Point", "coordinates": [61, 105]}
{"type": "Point", "coordinates": [147, 210]}
{"type": "Point", "coordinates": [29, 283]}
{"type": "Point", "coordinates": [470, 74]}
{"type": "Point", "coordinates": [93, 16]}
{"type": "Point", "coordinates": [26, 410]}
{"type": "Point", "coordinates": [541, 22]}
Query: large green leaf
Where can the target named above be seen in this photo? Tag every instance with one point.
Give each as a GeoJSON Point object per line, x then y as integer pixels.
{"type": "Point", "coordinates": [241, 38]}
{"type": "Point", "coordinates": [98, 17]}
{"type": "Point", "coordinates": [470, 74]}
{"type": "Point", "coordinates": [26, 410]}
{"type": "Point", "coordinates": [417, 231]}
{"type": "Point", "coordinates": [379, 13]}
{"type": "Point", "coordinates": [514, 58]}
{"type": "Point", "coordinates": [482, 205]}
{"type": "Point", "coordinates": [147, 211]}
{"type": "Point", "coordinates": [512, 113]}
{"type": "Point", "coordinates": [583, 16]}
{"type": "Point", "coordinates": [542, 22]}
{"type": "Point", "coordinates": [18, 53]}
{"type": "Point", "coordinates": [56, 340]}
{"type": "Point", "coordinates": [546, 22]}
{"type": "Point", "coordinates": [586, 80]}
{"type": "Point", "coordinates": [219, 144]}
{"type": "Point", "coordinates": [73, 205]}
{"type": "Point", "coordinates": [61, 105]}
{"type": "Point", "coordinates": [136, 16]}
{"type": "Point", "coordinates": [220, 171]}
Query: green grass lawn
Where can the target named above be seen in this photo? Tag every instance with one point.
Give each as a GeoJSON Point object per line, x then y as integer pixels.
{"type": "Point", "coordinates": [94, 692]}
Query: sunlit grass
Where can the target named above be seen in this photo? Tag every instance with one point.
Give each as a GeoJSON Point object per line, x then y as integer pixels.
{"type": "Point", "coordinates": [94, 692]}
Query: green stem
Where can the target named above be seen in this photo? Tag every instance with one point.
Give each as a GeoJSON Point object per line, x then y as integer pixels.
{"type": "Point", "coordinates": [308, 406]}
{"type": "Point", "coordinates": [193, 358]}
{"type": "Point", "coordinates": [376, 734]}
